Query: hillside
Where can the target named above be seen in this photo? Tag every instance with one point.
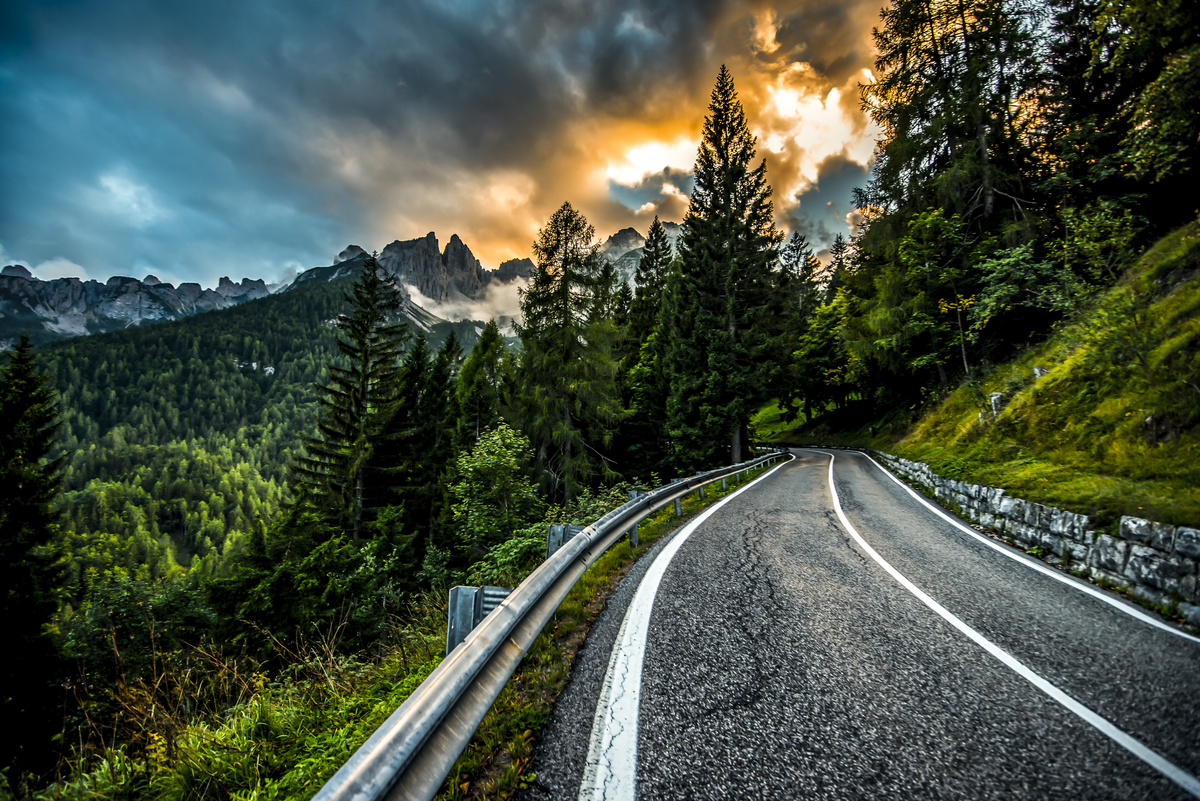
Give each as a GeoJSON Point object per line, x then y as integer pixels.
{"type": "Point", "coordinates": [1102, 418]}
{"type": "Point", "coordinates": [178, 435]}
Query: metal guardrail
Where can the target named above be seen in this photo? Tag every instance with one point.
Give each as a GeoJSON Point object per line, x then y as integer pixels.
{"type": "Point", "coordinates": [410, 755]}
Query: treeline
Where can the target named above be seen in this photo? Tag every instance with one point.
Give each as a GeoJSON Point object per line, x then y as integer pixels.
{"type": "Point", "coordinates": [1030, 151]}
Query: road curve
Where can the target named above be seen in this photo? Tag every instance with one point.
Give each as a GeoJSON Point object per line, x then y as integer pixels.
{"type": "Point", "coordinates": [792, 651]}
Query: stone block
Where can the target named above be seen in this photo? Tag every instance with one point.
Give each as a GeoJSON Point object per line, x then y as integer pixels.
{"type": "Point", "coordinates": [1012, 508]}
{"type": "Point", "coordinates": [1189, 587]}
{"type": "Point", "coordinates": [1149, 594]}
{"type": "Point", "coordinates": [1187, 542]}
{"type": "Point", "coordinates": [1111, 578]}
{"type": "Point", "coordinates": [1108, 554]}
{"type": "Point", "coordinates": [1190, 613]}
{"type": "Point", "coordinates": [1148, 566]}
{"type": "Point", "coordinates": [1076, 553]}
{"type": "Point", "coordinates": [1079, 529]}
{"type": "Point", "coordinates": [1160, 535]}
{"type": "Point", "coordinates": [1045, 539]}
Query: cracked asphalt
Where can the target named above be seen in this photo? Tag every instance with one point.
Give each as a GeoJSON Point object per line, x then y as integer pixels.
{"type": "Point", "coordinates": [783, 662]}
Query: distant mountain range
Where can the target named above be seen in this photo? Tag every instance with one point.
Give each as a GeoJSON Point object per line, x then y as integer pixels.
{"type": "Point", "coordinates": [64, 307]}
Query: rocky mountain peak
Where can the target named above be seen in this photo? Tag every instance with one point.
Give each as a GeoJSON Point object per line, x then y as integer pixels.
{"type": "Point", "coordinates": [151, 280]}
{"type": "Point", "coordinates": [351, 252]}
{"type": "Point", "coordinates": [17, 271]}
{"type": "Point", "coordinates": [622, 242]}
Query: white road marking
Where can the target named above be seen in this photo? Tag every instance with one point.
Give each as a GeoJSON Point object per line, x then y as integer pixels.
{"type": "Point", "coordinates": [610, 773]}
{"type": "Point", "coordinates": [1181, 777]}
{"type": "Point", "coordinates": [1107, 598]}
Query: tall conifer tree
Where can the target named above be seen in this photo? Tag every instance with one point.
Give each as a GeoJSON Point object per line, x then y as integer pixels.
{"type": "Point", "coordinates": [722, 289]}
{"type": "Point", "coordinates": [570, 401]}
{"type": "Point", "coordinates": [651, 278]}
{"type": "Point", "coordinates": [355, 403]}
{"type": "Point", "coordinates": [29, 576]}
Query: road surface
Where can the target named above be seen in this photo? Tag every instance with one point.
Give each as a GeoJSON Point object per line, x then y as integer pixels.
{"type": "Point", "coordinates": [824, 634]}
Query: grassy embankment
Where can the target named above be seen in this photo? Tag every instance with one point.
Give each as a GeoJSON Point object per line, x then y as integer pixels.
{"type": "Point", "coordinates": [1110, 428]}
{"type": "Point", "coordinates": [290, 734]}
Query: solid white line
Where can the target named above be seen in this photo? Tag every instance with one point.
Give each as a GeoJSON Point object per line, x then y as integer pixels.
{"type": "Point", "coordinates": [1039, 566]}
{"type": "Point", "coordinates": [1181, 777]}
{"type": "Point", "coordinates": [610, 773]}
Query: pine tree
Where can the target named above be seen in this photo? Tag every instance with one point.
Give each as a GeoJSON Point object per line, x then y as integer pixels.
{"type": "Point", "coordinates": [355, 403]}
{"type": "Point", "coordinates": [29, 575]}
{"type": "Point", "coordinates": [651, 278]}
{"type": "Point", "coordinates": [480, 384]}
{"type": "Point", "coordinates": [713, 302]}
{"type": "Point", "coordinates": [569, 400]}
{"type": "Point", "coordinates": [955, 99]}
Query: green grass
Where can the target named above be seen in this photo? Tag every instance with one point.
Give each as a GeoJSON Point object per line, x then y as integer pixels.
{"type": "Point", "coordinates": [1079, 436]}
{"type": "Point", "coordinates": [769, 424]}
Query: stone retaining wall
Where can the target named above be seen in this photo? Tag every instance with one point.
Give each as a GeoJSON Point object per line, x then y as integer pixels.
{"type": "Point", "coordinates": [1155, 561]}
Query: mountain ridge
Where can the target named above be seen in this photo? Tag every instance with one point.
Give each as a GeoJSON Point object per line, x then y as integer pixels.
{"type": "Point", "coordinates": [64, 307]}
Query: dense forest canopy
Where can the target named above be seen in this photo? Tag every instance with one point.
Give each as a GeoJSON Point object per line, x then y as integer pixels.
{"type": "Point", "coordinates": [307, 460]}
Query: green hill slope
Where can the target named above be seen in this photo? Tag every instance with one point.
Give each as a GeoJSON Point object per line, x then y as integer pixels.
{"type": "Point", "coordinates": [178, 435]}
{"type": "Point", "coordinates": [1102, 418]}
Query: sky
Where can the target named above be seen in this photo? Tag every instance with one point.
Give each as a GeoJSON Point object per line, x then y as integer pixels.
{"type": "Point", "coordinates": [198, 140]}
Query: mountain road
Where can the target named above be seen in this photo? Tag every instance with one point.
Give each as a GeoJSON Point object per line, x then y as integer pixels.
{"type": "Point", "coordinates": [825, 633]}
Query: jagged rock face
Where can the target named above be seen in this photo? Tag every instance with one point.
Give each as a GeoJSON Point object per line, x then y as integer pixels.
{"type": "Point", "coordinates": [73, 306]}
{"type": "Point", "coordinates": [244, 291]}
{"type": "Point", "coordinates": [17, 271]}
{"type": "Point", "coordinates": [450, 275]}
{"type": "Point", "coordinates": [511, 270]}
{"type": "Point", "coordinates": [418, 262]}
{"type": "Point", "coordinates": [463, 269]}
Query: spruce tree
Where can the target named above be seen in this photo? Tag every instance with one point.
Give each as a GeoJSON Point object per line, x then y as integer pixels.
{"type": "Point", "coordinates": [355, 403]}
{"type": "Point", "coordinates": [651, 278]}
{"type": "Point", "coordinates": [480, 384]}
{"type": "Point", "coordinates": [569, 402]}
{"type": "Point", "coordinates": [713, 303]}
{"type": "Point", "coordinates": [29, 575]}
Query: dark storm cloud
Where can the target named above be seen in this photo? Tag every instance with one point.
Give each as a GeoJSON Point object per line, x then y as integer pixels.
{"type": "Point", "coordinates": [820, 212]}
{"type": "Point", "coordinates": [652, 189]}
{"type": "Point", "coordinates": [196, 140]}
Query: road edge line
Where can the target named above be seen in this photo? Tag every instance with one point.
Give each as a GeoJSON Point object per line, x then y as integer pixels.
{"type": "Point", "coordinates": [614, 740]}
{"type": "Point", "coordinates": [1131, 744]}
{"type": "Point", "coordinates": [1087, 589]}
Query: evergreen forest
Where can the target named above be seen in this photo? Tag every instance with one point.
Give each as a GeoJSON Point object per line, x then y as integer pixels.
{"type": "Point", "coordinates": [296, 481]}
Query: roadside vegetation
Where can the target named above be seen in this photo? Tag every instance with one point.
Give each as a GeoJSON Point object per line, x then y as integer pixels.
{"type": "Point", "coordinates": [283, 736]}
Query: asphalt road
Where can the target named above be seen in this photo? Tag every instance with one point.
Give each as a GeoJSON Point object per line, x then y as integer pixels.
{"type": "Point", "coordinates": [783, 660]}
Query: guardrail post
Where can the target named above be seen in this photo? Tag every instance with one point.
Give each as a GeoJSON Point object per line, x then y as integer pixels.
{"type": "Point", "coordinates": [460, 616]}
{"type": "Point", "coordinates": [468, 607]}
{"type": "Point", "coordinates": [557, 535]}
{"type": "Point", "coordinates": [702, 492]}
{"type": "Point", "coordinates": [633, 532]}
